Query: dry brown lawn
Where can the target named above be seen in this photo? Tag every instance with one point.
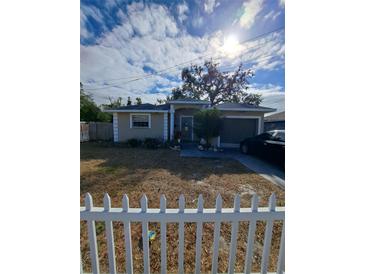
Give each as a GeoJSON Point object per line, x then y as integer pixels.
{"type": "Point", "coordinates": [135, 171]}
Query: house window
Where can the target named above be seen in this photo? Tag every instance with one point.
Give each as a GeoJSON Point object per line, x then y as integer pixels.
{"type": "Point", "coordinates": [140, 120]}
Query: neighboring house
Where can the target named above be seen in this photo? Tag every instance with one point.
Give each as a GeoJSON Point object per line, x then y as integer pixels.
{"type": "Point", "coordinates": [275, 121]}
{"type": "Point", "coordinates": [177, 117]}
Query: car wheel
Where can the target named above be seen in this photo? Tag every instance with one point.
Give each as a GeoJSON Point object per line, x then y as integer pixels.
{"type": "Point", "coordinates": [244, 149]}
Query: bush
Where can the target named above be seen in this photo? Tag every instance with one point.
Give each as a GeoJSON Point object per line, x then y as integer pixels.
{"type": "Point", "coordinates": [134, 142]}
{"type": "Point", "coordinates": [152, 143]}
{"type": "Point", "coordinates": [207, 124]}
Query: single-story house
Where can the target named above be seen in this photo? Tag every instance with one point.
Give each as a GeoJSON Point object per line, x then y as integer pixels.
{"type": "Point", "coordinates": [275, 121]}
{"type": "Point", "coordinates": [164, 121]}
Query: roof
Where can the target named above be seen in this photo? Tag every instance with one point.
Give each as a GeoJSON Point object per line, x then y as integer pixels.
{"type": "Point", "coordinates": [140, 108]}
{"type": "Point", "coordinates": [188, 101]}
{"type": "Point", "coordinates": [243, 107]}
{"type": "Point", "coordinates": [280, 116]}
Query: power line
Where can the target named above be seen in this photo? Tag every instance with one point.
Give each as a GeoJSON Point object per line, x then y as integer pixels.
{"type": "Point", "coordinates": [186, 62]}
{"type": "Point", "coordinates": [262, 57]}
{"type": "Point", "coordinates": [116, 84]}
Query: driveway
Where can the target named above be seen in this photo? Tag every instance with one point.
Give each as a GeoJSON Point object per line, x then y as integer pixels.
{"type": "Point", "coordinates": [264, 169]}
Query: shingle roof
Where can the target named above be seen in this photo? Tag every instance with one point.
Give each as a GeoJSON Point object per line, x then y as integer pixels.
{"type": "Point", "coordinates": [145, 107]}
{"type": "Point", "coordinates": [280, 116]}
{"type": "Point", "coordinates": [229, 106]}
{"type": "Point", "coordinates": [188, 100]}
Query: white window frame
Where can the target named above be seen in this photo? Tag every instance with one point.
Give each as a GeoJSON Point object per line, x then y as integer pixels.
{"type": "Point", "coordinates": [139, 114]}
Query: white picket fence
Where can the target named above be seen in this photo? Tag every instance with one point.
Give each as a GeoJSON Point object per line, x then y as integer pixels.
{"type": "Point", "coordinates": [181, 215]}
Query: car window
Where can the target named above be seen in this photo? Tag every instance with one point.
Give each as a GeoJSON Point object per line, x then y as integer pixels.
{"type": "Point", "coordinates": [278, 136]}
{"type": "Point", "coordinates": [264, 136]}
{"type": "Point", "coordinates": [281, 136]}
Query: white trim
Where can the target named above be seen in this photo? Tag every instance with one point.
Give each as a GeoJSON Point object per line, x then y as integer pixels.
{"type": "Point", "coordinates": [136, 110]}
{"type": "Point", "coordinates": [172, 122]}
{"type": "Point", "coordinates": [165, 126]}
{"type": "Point", "coordinates": [115, 127]}
{"type": "Point", "coordinates": [259, 118]}
{"type": "Point", "coordinates": [139, 114]}
{"type": "Point", "coordinates": [192, 125]}
{"type": "Point", "coordinates": [247, 109]}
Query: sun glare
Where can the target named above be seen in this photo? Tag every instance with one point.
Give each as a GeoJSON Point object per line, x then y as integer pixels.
{"type": "Point", "coordinates": [231, 45]}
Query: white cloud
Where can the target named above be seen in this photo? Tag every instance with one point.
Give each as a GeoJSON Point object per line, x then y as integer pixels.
{"type": "Point", "coordinates": [273, 96]}
{"type": "Point", "coordinates": [209, 6]}
{"type": "Point", "coordinates": [251, 9]}
{"type": "Point", "coordinates": [157, 43]}
{"type": "Point", "coordinates": [282, 3]}
{"type": "Point", "coordinates": [182, 9]}
{"type": "Point", "coordinates": [272, 15]}
{"type": "Point", "coordinates": [197, 21]}
{"type": "Point", "coordinates": [85, 13]}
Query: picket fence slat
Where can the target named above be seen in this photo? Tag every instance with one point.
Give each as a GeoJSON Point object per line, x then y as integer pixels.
{"type": "Point", "coordinates": [280, 267]}
{"type": "Point", "coordinates": [199, 234]}
{"type": "Point", "coordinates": [251, 236]}
{"type": "Point", "coordinates": [163, 236]}
{"type": "Point", "coordinates": [181, 215]}
{"type": "Point", "coordinates": [81, 268]}
{"type": "Point", "coordinates": [92, 236]}
{"type": "Point", "coordinates": [233, 245]}
{"type": "Point", "coordinates": [127, 237]}
{"type": "Point", "coordinates": [146, 248]}
{"type": "Point", "coordinates": [268, 236]}
{"type": "Point", "coordinates": [217, 228]}
{"type": "Point", "coordinates": [109, 236]}
{"type": "Point", "coordinates": [181, 235]}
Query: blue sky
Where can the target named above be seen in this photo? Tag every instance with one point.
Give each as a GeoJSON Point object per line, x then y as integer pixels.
{"type": "Point", "coordinates": [127, 46]}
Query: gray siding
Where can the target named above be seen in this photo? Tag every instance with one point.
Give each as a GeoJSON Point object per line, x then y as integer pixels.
{"type": "Point", "coordinates": [125, 132]}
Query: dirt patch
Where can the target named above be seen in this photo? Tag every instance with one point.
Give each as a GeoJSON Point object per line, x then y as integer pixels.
{"type": "Point", "coordinates": [135, 171]}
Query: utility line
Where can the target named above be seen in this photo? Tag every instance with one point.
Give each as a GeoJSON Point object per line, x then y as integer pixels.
{"type": "Point", "coordinates": [186, 62]}
{"type": "Point", "coordinates": [262, 57]}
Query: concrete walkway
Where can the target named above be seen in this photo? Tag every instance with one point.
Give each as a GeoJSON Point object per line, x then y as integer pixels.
{"type": "Point", "coordinates": [266, 170]}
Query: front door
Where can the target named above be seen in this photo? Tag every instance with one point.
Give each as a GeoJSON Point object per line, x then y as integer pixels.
{"type": "Point", "coordinates": [186, 128]}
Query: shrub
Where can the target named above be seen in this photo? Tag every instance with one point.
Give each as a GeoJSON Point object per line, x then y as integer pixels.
{"type": "Point", "coordinates": [207, 124]}
{"type": "Point", "coordinates": [134, 142]}
{"type": "Point", "coordinates": [152, 143]}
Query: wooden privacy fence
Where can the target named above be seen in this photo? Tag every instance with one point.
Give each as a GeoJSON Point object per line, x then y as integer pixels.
{"type": "Point", "coordinates": [84, 132]}
{"type": "Point", "coordinates": [96, 131]}
{"type": "Point", "coordinates": [183, 215]}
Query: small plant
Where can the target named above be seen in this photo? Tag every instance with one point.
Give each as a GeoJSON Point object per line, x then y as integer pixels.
{"type": "Point", "coordinates": [152, 143]}
{"type": "Point", "coordinates": [134, 142]}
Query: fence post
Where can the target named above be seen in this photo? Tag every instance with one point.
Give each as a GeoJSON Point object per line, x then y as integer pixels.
{"type": "Point", "coordinates": [233, 245]}
{"type": "Point", "coordinates": [251, 236]}
{"type": "Point", "coordinates": [146, 251]}
{"type": "Point", "coordinates": [109, 236]}
{"type": "Point", "coordinates": [92, 236]}
{"type": "Point", "coordinates": [268, 236]}
{"type": "Point", "coordinates": [217, 228]}
{"type": "Point", "coordinates": [199, 232]}
{"type": "Point", "coordinates": [127, 236]}
{"type": "Point", "coordinates": [181, 235]}
{"type": "Point", "coordinates": [163, 236]}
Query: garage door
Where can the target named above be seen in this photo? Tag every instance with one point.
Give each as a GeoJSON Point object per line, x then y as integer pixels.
{"type": "Point", "coordinates": [235, 130]}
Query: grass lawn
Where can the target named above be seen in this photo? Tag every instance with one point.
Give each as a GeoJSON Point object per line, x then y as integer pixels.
{"type": "Point", "coordinates": [135, 171]}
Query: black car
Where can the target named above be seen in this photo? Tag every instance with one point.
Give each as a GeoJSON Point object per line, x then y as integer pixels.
{"type": "Point", "coordinates": [269, 145]}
